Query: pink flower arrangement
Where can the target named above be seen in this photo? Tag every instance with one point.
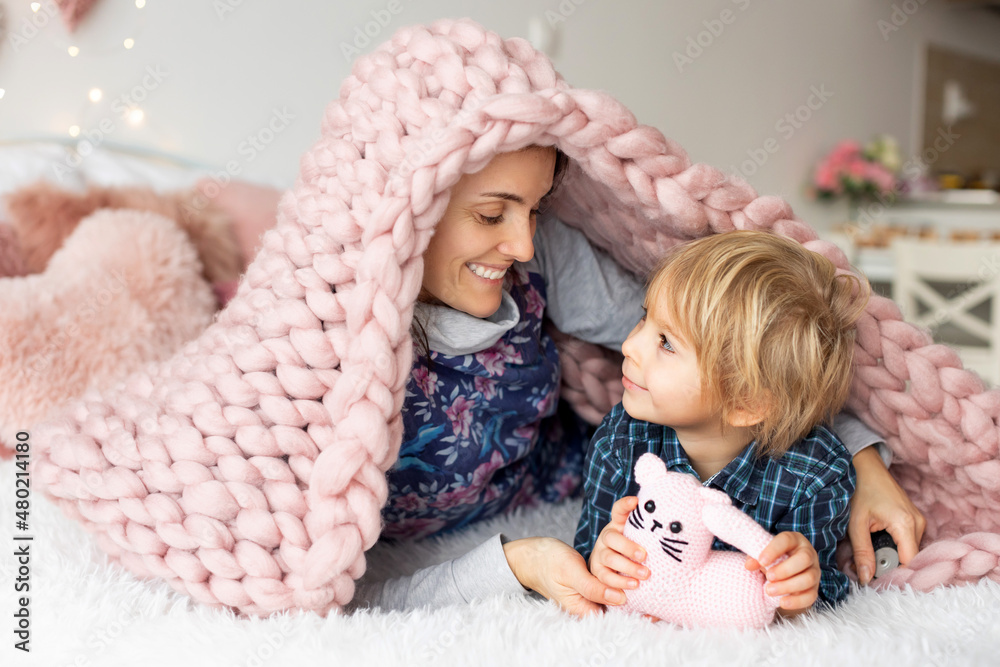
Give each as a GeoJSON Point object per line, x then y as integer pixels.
{"type": "Point", "coordinates": [858, 172]}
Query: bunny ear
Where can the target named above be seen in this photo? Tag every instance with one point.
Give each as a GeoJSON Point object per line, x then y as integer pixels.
{"type": "Point", "coordinates": [736, 528]}
{"type": "Point", "coordinates": [713, 496]}
{"type": "Point", "coordinates": [648, 468]}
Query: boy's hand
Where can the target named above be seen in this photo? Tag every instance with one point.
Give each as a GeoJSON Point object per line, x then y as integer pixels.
{"type": "Point", "coordinates": [617, 561]}
{"type": "Point", "coordinates": [796, 577]}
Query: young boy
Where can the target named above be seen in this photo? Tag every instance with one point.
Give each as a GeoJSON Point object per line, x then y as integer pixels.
{"type": "Point", "coordinates": [745, 350]}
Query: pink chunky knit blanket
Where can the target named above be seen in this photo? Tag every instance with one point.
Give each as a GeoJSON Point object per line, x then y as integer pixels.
{"type": "Point", "coordinates": [248, 470]}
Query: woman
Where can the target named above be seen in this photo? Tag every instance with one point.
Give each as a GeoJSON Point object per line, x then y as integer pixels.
{"type": "Point", "coordinates": [482, 432]}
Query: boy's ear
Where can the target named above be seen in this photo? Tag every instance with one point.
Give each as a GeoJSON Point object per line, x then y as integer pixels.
{"type": "Point", "coordinates": [750, 416]}
{"type": "Point", "coordinates": [745, 418]}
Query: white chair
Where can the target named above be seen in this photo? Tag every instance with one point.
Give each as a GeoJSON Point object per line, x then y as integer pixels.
{"type": "Point", "coordinates": [953, 289]}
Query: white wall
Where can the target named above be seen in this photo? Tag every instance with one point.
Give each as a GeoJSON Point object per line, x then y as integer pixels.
{"type": "Point", "coordinates": [222, 74]}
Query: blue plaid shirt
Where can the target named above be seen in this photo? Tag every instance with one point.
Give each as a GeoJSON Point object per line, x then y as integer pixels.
{"type": "Point", "coordinates": [806, 490]}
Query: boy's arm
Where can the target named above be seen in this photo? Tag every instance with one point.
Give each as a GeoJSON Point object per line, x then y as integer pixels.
{"type": "Point", "coordinates": [610, 556]}
{"type": "Point", "coordinates": [602, 485]}
{"type": "Point", "coordinates": [822, 518]}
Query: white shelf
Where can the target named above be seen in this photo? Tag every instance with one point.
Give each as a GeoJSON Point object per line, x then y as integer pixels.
{"type": "Point", "coordinates": [953, 197]}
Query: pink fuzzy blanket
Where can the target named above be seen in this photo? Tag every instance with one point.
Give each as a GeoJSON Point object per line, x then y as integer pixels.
{"type": "Point", "coordinates": [249, 469]}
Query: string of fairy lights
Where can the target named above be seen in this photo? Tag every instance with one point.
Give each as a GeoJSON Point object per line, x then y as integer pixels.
{"type": "Point", "coordinates": [135, 115]}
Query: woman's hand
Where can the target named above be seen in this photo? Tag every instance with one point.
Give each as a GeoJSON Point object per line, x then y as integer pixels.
{"type": "Point", "coordinates": [555, 570]}
{"type": "Point", "coordinates": [879, 503]}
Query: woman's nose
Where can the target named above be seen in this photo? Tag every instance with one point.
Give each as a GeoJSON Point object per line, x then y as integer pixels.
{"type": "Point", "coordinates": [519, 242]}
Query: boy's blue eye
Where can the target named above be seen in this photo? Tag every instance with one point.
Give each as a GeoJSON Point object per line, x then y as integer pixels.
{"type": "Point", "coordinates": [665, 344]}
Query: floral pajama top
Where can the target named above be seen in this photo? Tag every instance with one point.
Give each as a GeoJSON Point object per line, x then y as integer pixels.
{"type": "Point", "coordinates": [484, 433]}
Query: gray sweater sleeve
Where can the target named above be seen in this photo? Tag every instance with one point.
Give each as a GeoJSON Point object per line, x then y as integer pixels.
{"type": "Point", "coordinates": [856, 436]}
{"type": "Point", "coordinates": [589, 295]}
{"type": "Point", "coordinates": [478, 574]}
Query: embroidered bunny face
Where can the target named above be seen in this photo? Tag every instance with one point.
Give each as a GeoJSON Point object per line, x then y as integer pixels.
{"type": "Point", "coordinates": [668, 520]}
{"type": "Point", "coordinates": [673, 547]}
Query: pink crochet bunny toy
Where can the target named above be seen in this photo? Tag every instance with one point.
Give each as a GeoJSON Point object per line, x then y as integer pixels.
{"type": "Point", "coordinates": [690, 584]}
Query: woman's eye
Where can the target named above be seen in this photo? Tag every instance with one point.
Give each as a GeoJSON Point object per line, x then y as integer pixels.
{"type": "Point", "coordinates": [665, 344]}
{"type": "Point", "coordinates": [491, 220]}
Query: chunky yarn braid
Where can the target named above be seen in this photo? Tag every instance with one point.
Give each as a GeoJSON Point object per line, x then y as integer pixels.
{"type": "Point", "coordinates": [248, 470]}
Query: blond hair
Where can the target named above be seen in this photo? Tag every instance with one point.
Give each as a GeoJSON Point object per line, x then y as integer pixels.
{"type": "Point", "coordinates": [772, 324]}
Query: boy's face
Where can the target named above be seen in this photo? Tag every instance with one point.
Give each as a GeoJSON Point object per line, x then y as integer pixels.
{"type": "Point", "coordinates": [661, 378]}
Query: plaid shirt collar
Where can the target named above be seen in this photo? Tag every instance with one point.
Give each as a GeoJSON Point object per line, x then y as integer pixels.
{"type": "Point", "coordinates": [740, 479]}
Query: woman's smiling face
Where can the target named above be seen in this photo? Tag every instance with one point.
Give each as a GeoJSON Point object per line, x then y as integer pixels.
{"type": "Point", "coordinates": [488, 225]}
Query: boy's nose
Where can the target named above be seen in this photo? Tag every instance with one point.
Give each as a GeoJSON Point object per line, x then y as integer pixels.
{"type": "Point", "coordinates": [630, 346]}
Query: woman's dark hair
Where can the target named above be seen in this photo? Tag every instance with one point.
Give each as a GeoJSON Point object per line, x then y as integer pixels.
{"type": "Point", "coordinates": [419, 334]}
{"type": "Point", "coordinates": [562, 161]}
